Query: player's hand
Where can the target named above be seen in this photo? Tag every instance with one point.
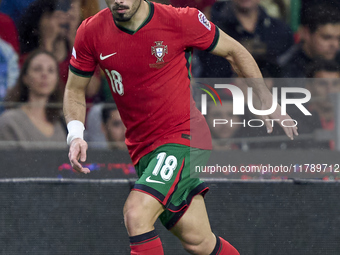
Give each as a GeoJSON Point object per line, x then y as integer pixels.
{"type": "Point", "coordinates": [77, 152]}
{"type": "Point", "coordinates": [289, 125]}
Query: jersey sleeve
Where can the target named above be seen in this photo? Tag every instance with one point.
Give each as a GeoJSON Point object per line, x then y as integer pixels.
{"type": "Point", "coordinates": [197, 30]}
{"type": "Point", "coordinates": [83, 62]}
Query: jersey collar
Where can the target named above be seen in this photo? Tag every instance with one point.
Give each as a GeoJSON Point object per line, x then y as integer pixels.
{"type": "Point", "coordinates": [146, 21]}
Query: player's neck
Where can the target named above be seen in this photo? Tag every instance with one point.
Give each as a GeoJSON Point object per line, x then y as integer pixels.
{"type": "Point", "coordinates": [137, 20]}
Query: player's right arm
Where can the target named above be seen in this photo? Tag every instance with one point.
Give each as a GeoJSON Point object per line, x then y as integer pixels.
{"type": "Point", "coordinates": [74, 112]}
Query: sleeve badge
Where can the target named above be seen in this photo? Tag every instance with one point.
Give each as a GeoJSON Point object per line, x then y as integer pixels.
{"type": "Point", "coordinates": [203, 19]}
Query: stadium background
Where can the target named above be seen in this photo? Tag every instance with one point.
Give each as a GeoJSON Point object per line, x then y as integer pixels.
{"type": "Point", "coordinates": [69, 213]}
{"type": "Point", "coordinates": [46, 208]}
{"type": "Point", "coordinates": [85, 217]}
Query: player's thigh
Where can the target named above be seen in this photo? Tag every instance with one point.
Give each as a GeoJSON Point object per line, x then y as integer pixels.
{"type": "Point", "coordinates": [140, 212]}
{"type": "Point", "coordinates": [194, 228]}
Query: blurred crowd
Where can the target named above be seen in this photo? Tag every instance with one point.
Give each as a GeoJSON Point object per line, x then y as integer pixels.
{"type": "Point", "coordinates": [288, 38]}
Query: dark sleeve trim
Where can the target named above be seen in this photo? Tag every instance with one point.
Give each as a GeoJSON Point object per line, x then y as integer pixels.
{"type": "Point", "coordinates": [80, 72]}
{"type": "Point", "coordinates": [215, 41]}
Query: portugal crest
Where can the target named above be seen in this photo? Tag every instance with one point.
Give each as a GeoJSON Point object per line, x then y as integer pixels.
{"type": "Point", "coordinates": [159, 51]}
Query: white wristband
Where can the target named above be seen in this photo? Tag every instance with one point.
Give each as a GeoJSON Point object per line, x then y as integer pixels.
{"type": "Point", "coordinates": [75, 130]}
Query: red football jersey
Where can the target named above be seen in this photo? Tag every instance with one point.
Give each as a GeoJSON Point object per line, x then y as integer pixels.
{"type": "Point", "coordinates": [148, 72]}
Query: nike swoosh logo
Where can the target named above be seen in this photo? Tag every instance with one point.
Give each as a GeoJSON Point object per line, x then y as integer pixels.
{"type": "Point", "coordinates": [107, 56]}
{"type": "Point", "coordinates": [153, 181]}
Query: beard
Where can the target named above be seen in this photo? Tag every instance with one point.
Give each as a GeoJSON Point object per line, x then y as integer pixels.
{"type": "Point", "coordinates": [120, 17]}
{"type": "Point", "coordinates": [124, 17]}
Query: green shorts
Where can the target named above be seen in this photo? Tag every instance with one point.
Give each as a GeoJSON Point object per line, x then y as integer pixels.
{"type": "Point", "coordinates": [165, 175]}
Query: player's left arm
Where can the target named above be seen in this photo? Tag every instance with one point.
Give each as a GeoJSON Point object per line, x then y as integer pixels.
{"type": "Point", "coordinates": [245, 66]}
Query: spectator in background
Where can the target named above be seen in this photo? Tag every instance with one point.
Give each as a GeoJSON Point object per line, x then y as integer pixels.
{"type": "Point", "coordinates": [324, 80]}
{"type": "Point", "coordinates": [248, 23]}
{"type": "Point", "coordinates": [8, 31]}
{"type": "Point", "coordinates": [222, 133]}
{"type": "Point", "coordinates": [15, 8]}
{"type": "Point", "coordinates": [89, 8]}
{"type": "Point", "coordinates": [9, 50]}
{"type": "Point", "coordinates": [9, 68]}
{"type": "Point", "coordinates": [305, 4]}
{"type": "Point", "coordinates": [93, 132]}
{"type": "Point", "coordinates": [35, 120]}
{"type": "Point", "coordinates": [320, 39]}
{"type": "Point", "coordinates": [202, 5]}
{"type": "Point", "coordinates": [104, 127]}
{"type": "Point", "coordinates": [276, 8]}
{"type": "Point", "coordinates": [52, 26]}
{"type": "Point", "coordinates": [113, 128]}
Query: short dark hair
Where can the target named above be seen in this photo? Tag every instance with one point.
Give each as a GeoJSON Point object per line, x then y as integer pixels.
{"type": "Point", "coordinates": [321, 65]}
{"type": "Point", "coordinates": [320, 14]}
{"type": "Point", "coordinates": [106, 111]}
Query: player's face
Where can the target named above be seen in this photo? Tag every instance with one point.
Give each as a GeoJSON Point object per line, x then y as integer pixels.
{"type": "Point", "coordinates": [123, 10]}
{"type": "Point", "coordinates": [42, 76]}
{"type": "Point", "coordinates": [114, 128]}
{"type": "Point", "coordinates": [325, 41]}
{"type": "Point", "coordinates": [225, 112]}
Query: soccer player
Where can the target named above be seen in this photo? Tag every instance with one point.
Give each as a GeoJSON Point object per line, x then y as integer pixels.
{"type": "Point", "coordinates": [144, 49]}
